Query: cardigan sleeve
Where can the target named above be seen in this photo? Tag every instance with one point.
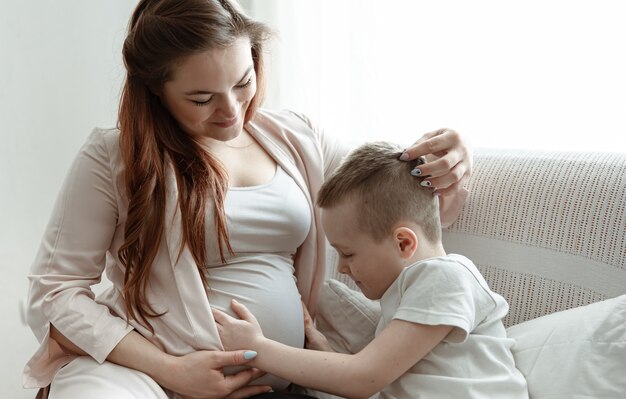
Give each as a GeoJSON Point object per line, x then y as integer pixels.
{"type": "Point", "coordinates": [72, 257]}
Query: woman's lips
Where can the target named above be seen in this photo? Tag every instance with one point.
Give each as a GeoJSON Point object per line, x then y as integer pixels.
{"type": "Point", "coordinates": [228, 123]}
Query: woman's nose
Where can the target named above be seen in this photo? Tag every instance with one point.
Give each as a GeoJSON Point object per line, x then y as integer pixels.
{"type": "Point", "coordinates": [228, 105]}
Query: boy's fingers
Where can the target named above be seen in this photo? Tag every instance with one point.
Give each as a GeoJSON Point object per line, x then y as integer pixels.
{"type": "Point", "coordinates": [307, 316]}
{"type": "Point", "coordinates": [241, 310]}
{"type": "Point", "coordinates": [219, 316]}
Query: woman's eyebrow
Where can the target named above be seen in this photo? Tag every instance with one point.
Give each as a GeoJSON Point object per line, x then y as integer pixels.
{"type": "Point", "coordinates": [196, 92]}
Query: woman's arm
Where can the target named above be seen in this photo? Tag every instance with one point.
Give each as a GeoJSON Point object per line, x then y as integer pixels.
{"type": "Point", "coordinates": [72, 258]}
{"type": "Point", "coordinates": [400, 346]}
{"type": "Point", "coordinates": [196, 375]}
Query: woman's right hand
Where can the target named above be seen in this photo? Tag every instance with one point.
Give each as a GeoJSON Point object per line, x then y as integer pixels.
{"type": "Point", "coordinates": [196, 375]}
{"type": "Point", "coordinates": [199, 375]}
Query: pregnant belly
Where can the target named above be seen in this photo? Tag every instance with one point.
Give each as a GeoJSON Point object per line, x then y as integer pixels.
{"type": "Point", "coordinates": [268, 289]}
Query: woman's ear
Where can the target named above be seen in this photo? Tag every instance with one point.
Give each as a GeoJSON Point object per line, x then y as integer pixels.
{"type": "Point", "coordinates": [406, 241]}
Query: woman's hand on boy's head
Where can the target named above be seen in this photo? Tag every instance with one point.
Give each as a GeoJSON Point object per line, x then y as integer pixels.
{"type": "Point", "coordinates": [449, 160]}
{"type": "Point", "coordinates": [237, 333]}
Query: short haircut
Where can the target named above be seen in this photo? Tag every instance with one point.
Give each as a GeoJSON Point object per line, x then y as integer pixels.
{"type": "Point", "coordinates": [384, 189]}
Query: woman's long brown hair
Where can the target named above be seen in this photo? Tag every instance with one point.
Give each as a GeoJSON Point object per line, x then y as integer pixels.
{"type": "Point", "coordinates": [160, 34]}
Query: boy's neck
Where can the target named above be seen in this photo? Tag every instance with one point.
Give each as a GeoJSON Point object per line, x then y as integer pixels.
{"type": "Point", "coordinates": [428, 250]}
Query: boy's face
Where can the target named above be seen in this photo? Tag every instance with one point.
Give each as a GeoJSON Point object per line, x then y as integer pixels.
{"type": "Point", "coordinates": [373, 265]}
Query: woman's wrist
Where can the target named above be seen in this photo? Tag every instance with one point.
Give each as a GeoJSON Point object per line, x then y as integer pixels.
{"type": "Point", "coordinates": [167, 371]}
{"type": "Point", "coordinates": [136, 352]}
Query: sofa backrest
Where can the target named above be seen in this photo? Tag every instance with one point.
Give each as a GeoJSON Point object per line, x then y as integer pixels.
{"type": "Point", "coordinates": [546, 229]}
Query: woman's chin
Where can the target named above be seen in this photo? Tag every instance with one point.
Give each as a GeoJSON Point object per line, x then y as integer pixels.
{"type": "Point", "coordinates": [220, 133]}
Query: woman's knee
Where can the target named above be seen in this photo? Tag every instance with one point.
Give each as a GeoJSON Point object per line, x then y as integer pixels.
{"type": "Point", "coordinates": [83, 377]}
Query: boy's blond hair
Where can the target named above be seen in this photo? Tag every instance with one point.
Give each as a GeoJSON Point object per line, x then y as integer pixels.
{"type": "Point", "coordinates": [383, 190]}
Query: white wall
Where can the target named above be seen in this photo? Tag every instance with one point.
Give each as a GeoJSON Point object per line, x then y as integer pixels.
{"type": "Point", "coordinates": [537, 74]}
{"type": "Point", "coordinates": [60, 73]}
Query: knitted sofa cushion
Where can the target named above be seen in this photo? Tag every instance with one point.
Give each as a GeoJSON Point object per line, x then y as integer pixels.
{"type": "Point", "coordinates": [546, 229]}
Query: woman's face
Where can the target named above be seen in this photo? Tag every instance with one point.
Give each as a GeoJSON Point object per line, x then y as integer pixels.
{"type": "Point", "coordinates": [209, 92]}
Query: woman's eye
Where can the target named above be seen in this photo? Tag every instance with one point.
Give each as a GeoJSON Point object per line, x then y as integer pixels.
{"type": "Point", "coordinates": [201, 103]}
{"type": "Point", "coordinates": [248, 82]}
{"type": "Point", "coordinates": [345, 255]}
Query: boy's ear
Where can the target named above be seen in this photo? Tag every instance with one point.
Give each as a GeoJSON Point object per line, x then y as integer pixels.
{"type": "Point", "coordinates": [406, 241]}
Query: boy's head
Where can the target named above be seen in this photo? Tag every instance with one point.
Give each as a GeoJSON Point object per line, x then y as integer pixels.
{"type": "Point", "coordinates": [376, 214]}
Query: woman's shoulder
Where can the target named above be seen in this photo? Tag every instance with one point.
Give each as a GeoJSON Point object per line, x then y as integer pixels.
{"type": "Point", "coordinates": [101, 136]}
{"type": "Point", "coordinates": [104, 136]}
{"type": "Point", "coordinates": [103, 144]}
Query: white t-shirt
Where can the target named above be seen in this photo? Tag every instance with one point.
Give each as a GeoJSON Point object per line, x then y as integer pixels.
{"type": "Point", "coordinates": [475, 359]}
{"type": "Point", "coordinates": [266, 223]}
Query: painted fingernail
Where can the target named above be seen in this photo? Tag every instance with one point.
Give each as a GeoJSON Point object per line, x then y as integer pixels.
{"type": "Point", "coordinates": [249, 355]}
{"type": "Point", "coordinates": [425, 183]}
{"type": "Point", "coordinates": [404, 156]}
{"type": "Point", "coordinates": [416, 172]}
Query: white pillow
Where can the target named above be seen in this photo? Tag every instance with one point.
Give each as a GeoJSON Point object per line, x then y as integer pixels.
{"type": "Point", "coordinates": [346, 317]}
{"type": "Point", "coordinates": [576, 353]}
{"type": "Point", "coordinates": [348, 320]}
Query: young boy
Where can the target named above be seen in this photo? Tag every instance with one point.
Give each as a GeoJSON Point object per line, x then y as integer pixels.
{"type": "Point", "coordinates": [440, 334]}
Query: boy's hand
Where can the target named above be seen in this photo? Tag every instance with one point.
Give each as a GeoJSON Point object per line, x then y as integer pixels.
{"type": "Point", "coordinates": [238, 334]}
{"type": "Point", "coordinates": [314, 339]}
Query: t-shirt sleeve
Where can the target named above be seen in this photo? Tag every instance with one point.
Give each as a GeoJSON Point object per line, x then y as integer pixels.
{"type": "Point", "coordinates": [443, 292]}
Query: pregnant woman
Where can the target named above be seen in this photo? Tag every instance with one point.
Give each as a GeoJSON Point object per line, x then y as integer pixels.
{"type": "Point", "coordinates": [196, 198]}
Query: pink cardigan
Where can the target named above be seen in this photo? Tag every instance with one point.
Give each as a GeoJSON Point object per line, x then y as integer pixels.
{"type": "Point", "coordinates": [86, 230]}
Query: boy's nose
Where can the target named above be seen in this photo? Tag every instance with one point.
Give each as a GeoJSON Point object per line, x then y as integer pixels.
{"type": "Point", "coordinates": [342, 268]}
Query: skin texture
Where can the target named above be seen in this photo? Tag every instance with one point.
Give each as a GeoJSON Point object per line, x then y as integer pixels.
{"type": "Point", "coordinates": [361, 257]}
{"type": "Point", "coordinates": [210, 91]}
{"type": "Point", "coordinates": [208, 96]}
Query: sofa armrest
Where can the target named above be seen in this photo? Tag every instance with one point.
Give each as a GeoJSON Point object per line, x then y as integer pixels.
{"type": "Point", "coordinates": [546, 229]}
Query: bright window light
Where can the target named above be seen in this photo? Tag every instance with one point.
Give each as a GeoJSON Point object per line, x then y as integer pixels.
{"type": "Point", "coordinates": [545, 75]}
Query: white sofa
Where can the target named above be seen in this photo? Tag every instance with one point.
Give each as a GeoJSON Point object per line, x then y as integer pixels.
{"type": "Point", "coordinates": [548, 232]}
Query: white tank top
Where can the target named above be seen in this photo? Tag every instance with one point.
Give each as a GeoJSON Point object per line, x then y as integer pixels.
{"type": "Point", "coordinates": [266, 225]}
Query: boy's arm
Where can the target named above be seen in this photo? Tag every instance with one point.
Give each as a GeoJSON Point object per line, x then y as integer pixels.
{"type": "Point", "coordinates": [387, 357]}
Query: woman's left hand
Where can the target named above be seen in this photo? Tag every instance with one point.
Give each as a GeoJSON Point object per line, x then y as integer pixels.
{"type": "Point", "coordinates": [449, 161]}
